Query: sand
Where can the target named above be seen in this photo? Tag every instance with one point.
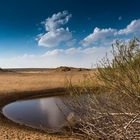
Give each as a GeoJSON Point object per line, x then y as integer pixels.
{"type": "Point", "coordinates": [23, 84]}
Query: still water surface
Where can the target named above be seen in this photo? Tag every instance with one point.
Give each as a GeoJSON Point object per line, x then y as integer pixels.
{"type": "Point", "coordinates": [44, 113]}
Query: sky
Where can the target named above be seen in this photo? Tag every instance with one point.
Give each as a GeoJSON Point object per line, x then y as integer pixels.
{"type": "Point", "coordinates": [53, 33]}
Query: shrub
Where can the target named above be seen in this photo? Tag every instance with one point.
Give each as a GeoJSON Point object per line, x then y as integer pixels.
{"type": "Point", "coordinates": [111, 107]}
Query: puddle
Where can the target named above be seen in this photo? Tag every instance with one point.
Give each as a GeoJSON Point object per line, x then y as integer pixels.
{"type": "Point", "coordinates": [44, 113]}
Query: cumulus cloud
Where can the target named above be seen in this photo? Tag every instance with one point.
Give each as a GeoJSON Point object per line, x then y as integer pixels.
{"type": "Point", "coordinates": [107, 36]}
{"type": "Point", "coordinates": [57, 20]}
{"type": "Point", "coordinates": [55, 34]}
{"type": "Point", "coordinates": [132, 28]}
{"type": "Point", "coordinates": [55, 38]}
{"type": "Point", "coordinates": [98, 36]}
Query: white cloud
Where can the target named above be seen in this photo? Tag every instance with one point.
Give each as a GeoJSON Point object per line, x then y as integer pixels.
{"type": "Point", "coordinates": [57, 20]}
{"type": "Point", "coordinates": [72, 51]}
{"type": "Point", "coordinates": [76, 57]}
{"type": "Point", "coordinates": [85, 56]}
{"type": "Point", "coordinates": [56, 35]}
{"type": "Point", "coordinates": [98, 36]}
{"type": "Point", "coordinates": [105, 37]}
{"type": "Point", "coordinates": [132, 28]}
{"type": "Point", "coordinates": [55, 38]}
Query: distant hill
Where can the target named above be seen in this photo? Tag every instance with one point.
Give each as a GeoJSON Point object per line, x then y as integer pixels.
{"type": "Point", "coordinates": [65, 69]}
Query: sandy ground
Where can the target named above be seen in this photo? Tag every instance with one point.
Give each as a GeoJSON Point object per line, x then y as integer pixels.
{"type": "Point", "coordinates": [24, 84]}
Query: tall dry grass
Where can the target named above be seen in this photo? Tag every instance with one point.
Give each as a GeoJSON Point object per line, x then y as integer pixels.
{"type": "Point", "coordinates": [108, 106]}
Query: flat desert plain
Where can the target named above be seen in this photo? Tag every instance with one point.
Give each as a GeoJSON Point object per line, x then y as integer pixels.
{"type": "Point", "coordinates": [22, 84]}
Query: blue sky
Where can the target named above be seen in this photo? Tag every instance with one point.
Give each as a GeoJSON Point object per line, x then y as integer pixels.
{"type": "Point", "coordinates": [50, 33]}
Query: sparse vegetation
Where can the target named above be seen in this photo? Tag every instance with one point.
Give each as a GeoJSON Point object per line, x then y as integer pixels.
{"type": "Point", "coordinates": [111, 104]}
{"type": "Point", "coordinates": [106, 105]}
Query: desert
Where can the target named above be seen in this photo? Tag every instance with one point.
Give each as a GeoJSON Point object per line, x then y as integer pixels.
{"type": "Point", "coordinates": [27, 83]}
